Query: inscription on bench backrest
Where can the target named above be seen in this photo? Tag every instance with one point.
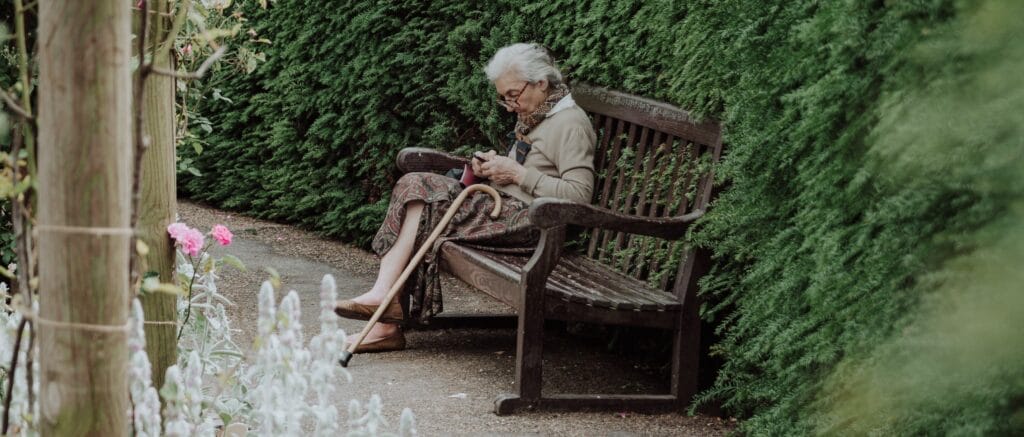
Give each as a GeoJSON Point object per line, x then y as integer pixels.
{"type": "Point", "coordinates": [652, 159]}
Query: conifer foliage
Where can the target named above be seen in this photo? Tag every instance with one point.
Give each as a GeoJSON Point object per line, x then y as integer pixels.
{"type": "Point", "coordinates": [820, 250]}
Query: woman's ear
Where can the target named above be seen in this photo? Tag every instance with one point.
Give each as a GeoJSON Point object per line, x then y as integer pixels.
{"type": "Point", "coordinates": [543, 84]}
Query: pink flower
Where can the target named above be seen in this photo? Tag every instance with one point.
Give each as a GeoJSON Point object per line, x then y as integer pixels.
{"type": "Point", "coordinates": [176, 230]}
{"type": "Point", "coordinates": [187, 50]}
{"type": "Point", "coordinates": [222, 234]}
{"type": "Point", "coordinates": [191, 242]}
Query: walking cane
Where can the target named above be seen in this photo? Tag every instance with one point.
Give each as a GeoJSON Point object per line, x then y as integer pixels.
{"type": "Point", "coordinates": [347, 355]}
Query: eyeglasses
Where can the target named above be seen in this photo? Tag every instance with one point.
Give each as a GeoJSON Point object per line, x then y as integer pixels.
{"type": "Point", "coordinates": [503, 100]}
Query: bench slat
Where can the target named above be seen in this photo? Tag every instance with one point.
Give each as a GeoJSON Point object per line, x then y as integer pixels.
{"type": "Point", "coordinates": [645, 112]}
{"type": "Point", "coordinates": [692, 155]}
{"type": "Point", "coordinates": [614, 287]}
{"type": "Point", "coordinates": [615, 203]}
{"type": "Point", "coordinates": [576, 279]}
{"type": "Point", "coordinates": [604, 136]}
{"type": "Point", "coordinates": [511, 267]}
{"type": "Point", "coordinates": [678, 160]}
{"type": "Point", "coordinates": [495, 279]}
{"type": "Point", "coordinates": [662, 155]}
{"type": "Point", "coordinates": [572, 284]}
{"type": "Point", "coordinates": [566, 287]}
{"type": "Point", "coordinates": [621, 238]}
{"type": "Point", "coordinates": [685, 167]}
{"type": "Point", "coordinates": [602, 149]}
{"type": "Point", "coordinates": [598, 293]}
{"type": "Point", "coordinates": [615, 145]}
{"type": "Point", "coordinates": [650, 160]}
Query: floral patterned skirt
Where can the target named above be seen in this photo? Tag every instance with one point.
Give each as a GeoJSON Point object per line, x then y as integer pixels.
{"type": "Point", "coordinates": [470, 226]}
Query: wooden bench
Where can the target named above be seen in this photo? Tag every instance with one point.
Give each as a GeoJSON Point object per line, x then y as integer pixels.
{"type": "Point", "coordinates": [669, 156]}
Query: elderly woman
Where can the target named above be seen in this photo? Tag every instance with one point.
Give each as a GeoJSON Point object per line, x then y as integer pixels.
{"type": "Point", "coordinates": [552, 157]}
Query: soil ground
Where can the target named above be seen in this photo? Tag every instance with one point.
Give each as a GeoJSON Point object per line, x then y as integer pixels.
{"type": "Point", "coordinates": [449, 378]}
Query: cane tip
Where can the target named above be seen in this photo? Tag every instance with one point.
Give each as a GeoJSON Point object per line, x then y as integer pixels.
{"type": "Point", "coordinates": [345, 357]}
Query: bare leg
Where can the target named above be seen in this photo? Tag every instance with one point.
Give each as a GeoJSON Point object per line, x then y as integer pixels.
{"type": "Point", "coordinates": [395, 260]}
{"type": "Point", "coordinates": [391, 266]}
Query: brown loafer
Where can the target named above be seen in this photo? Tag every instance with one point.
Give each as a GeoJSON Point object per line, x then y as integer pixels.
{"type": "Point", "coordinates": [394, 342]}
{"type": "Point", "coordinates": [350, 309]}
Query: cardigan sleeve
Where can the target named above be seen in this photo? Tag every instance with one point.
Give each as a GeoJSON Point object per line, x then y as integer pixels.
{"type": "Point", "coordinates": [574, 159]}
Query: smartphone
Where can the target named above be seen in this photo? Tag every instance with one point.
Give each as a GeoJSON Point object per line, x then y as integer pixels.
{"type": "Point", "coordinates": [468, 178]}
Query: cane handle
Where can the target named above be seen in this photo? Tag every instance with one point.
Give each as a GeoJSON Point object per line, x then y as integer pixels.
{"type": "Point", "coordinates": [485, 188]}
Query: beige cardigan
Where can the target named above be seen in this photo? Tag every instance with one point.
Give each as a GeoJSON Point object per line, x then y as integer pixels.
{"type": "Point", "coordinates": [561, 159]}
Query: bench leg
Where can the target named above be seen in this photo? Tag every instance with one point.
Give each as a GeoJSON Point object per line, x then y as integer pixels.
{"type": "Point", "coordinates": [530, 335]}
{"type": "Point", "coordinates": [686, 335]}
{"type": "Point", "coordinates": [685, 358]}
{"type": "Point", "coordinates": [529, 360]}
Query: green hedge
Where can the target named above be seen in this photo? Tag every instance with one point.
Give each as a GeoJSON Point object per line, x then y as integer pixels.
{"type": "Point", "coordinates": [829, 236]}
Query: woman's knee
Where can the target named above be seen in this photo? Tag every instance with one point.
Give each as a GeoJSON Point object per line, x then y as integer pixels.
{"type": "Point", "coordinates": [414, 206]}
{"type": "Point", "coordinates": [413, 179]}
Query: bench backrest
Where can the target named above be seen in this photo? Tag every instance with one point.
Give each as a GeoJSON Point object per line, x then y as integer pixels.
{"type": "Point", "coordinates": [652, 159]}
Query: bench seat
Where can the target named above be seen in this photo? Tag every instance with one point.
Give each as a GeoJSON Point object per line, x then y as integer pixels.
{"type": "Point", "coordinates": [578, 289]}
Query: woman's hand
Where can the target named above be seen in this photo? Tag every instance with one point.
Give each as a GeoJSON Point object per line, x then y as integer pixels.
{"type": "Point", "coordinates": [476, 163]}
{"type": "Point", "coordinates": [502, 170]}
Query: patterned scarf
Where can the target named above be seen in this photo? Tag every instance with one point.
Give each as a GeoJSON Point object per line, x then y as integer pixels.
{"type": "Point", "coordinates": [527, 122]}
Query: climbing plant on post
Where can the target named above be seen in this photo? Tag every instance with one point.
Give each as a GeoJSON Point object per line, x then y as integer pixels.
{"type": "Point", "coordinates": [84, 120]}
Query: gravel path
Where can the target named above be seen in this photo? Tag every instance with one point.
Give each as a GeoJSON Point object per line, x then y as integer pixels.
{"type": "Point", "coordinates": [448, 378]}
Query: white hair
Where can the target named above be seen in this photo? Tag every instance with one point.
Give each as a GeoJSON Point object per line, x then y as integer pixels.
{"type": "Point", "coordinates": [529, 61]}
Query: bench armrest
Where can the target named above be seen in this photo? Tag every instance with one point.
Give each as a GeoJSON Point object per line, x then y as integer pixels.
{"type": "Point", "coordinates": [413, 159]}
{"type": "Point", "coordinates": [549, 212]}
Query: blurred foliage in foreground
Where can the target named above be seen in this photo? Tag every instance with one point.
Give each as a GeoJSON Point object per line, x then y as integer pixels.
{"type": "Point", "coordinates": [957, 366]}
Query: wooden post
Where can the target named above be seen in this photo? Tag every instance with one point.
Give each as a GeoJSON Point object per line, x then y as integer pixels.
{"type": "Point", "coordinates": [85, 156]}
{"type": "Point", "coordinates": [158, 202]}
